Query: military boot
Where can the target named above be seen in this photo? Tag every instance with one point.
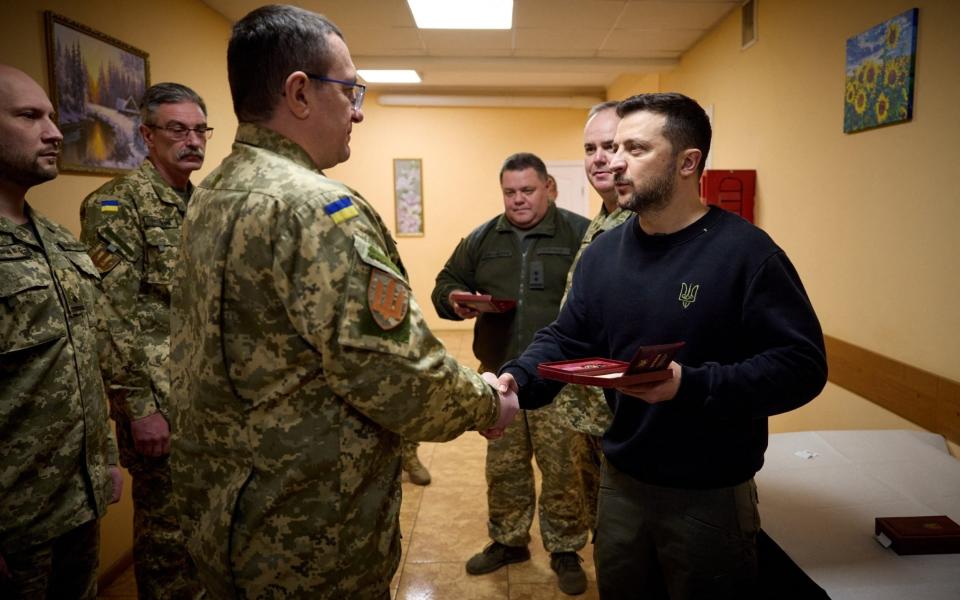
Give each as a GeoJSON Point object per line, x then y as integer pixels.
{"type": "Point", "coordinates": [494, 556]}
{"type": "Point", "coordinates": [419, 475]}
{"type": "Point", "coordinates": [570, 576]}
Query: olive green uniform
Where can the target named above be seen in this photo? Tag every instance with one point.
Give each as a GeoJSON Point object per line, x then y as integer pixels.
{"type": "Point", "coordinates": [55, 440]}
{"type": "Point", "coordinates": [299, 360]}
{"type": "Point", "coordinates": [131, 226]}
{"type": "Point", "coordinates": [494, 260]}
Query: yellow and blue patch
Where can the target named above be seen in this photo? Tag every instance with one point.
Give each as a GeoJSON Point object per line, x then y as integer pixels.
{"type": "Point", "coordinates": [109, 206]}
{"type": "Point", "coordinates": [341, 210]}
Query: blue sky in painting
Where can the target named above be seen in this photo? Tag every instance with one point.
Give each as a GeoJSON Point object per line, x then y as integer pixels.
{"type": "Point", "coordinates": [871, 43]}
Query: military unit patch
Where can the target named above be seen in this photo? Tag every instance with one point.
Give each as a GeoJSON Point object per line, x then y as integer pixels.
{"type": "Point", "coordinates": [388, 299]}
{"type": "Point", "coordinates": [103, 258]}
{"type": "Point", "coordinates": [341, 210]}
{"type": "Point", "coordinates": [109, 206]}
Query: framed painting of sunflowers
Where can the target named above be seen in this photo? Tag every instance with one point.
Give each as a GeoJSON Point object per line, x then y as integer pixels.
{"type": "Point", "coordinates": [879, 74]}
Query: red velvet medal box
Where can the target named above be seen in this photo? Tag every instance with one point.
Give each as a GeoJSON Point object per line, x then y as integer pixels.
{"type": "Point", "coordinates": [484, 302]}
{"type": "Point", "coordinates": [919, 535]}
{"type": "Point", "coordinates": [650, 363]}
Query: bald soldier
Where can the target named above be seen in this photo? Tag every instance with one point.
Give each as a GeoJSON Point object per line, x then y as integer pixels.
{"type": "Point", "coordinates": [131, 227]}
{"type": "Point", "coordinates": [300, 358]}
{"type": "Point", "coordinates": [57, 455]}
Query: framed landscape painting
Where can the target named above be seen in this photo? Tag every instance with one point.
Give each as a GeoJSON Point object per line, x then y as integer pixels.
{"type": "Point", "coordinates": [408, 195]}
{"type": "Point", "coordinates": [96, 83]}
{"type": "Point", "coordinates": [880, 73]}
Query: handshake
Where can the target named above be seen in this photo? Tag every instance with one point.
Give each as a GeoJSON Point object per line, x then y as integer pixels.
{"type": "Point", "coordinates": [507, 389]}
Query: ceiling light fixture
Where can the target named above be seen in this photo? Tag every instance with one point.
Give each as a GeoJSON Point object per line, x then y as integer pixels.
{"type": "Point", "coordinates": [462, 14]}
{"type": "Point", "coordinates": [389, 75]}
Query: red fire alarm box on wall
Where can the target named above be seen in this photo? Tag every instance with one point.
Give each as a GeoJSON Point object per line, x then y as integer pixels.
{"type": "Point", "coordinates": [732, 190]}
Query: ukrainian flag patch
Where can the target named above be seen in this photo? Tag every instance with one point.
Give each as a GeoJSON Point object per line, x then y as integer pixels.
{"type": "Point", "coordinates": [341, 210]}
{"type": "Point", "coordinates": [109, 206]}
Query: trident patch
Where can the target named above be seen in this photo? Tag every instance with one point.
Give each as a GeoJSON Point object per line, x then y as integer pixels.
{"type": "Point", "coordinates": [688, 293]}
{"type": "Point", "coordinates": [388, 299]}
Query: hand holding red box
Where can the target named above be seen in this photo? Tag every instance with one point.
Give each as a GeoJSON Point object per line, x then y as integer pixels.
{"type": "Point", "coordinates": [649, 364]}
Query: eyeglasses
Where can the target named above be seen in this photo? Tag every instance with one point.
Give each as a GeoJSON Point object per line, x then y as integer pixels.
{"type": "Point", "coordinates": [358, 89]}
{"type": "Point", "coordinates": [179, 132]}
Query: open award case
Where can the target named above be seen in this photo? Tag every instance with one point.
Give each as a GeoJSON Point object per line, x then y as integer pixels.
{"type": "Point", "coordinates": [650, 363]}
{"type": "Point", "coordinates": [484, 302]}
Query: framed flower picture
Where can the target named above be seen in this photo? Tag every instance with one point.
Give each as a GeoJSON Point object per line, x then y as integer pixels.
{"type": "Point", "coordinates": [879, 74]}
{"type": "Point", "coordinates": [408, 196]}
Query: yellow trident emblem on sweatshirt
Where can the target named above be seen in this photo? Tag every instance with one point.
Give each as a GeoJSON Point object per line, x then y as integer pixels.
{"type": "Point", "coordinates": [688, 294]}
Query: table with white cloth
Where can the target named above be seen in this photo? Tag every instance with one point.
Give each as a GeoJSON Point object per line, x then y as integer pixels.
{"type": "Point", "coordinates": [820, 492]}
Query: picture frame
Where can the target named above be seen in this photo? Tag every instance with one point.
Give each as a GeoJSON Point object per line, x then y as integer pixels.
{"type": "Point", "coordinates": [96, 84]}
{"type": "Point", "coordinates": [408, 196]}
{"type": "Point", "coordinates": [880, 68]}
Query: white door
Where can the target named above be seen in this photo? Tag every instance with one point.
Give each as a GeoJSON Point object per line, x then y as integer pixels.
{"type": "Point", "coordinates": [571, 185]}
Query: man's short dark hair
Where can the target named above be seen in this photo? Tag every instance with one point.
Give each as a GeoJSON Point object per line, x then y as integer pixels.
{"type": "Point", "coordinates": [599, 108]}
{"type": "Point", "coordinates": [524, 160]}
{"type": "Point", "coordinates": [687, 124]}
{"type": "Point", "coordinates": [266, 46]}
{"type": "Point", "coordinates": [166, 93]}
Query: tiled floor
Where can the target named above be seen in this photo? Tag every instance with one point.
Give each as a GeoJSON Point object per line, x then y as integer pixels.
{"type": "Point", "coordinates": [444, 524]}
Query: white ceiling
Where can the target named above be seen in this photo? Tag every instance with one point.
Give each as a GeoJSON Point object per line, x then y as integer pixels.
{"type": "Point", "coordinates": [555, 46]}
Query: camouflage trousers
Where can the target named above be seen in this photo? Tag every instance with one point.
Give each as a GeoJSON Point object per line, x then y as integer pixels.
{"type": "Point", "coordinates": [62, 568]}
{"type": "Point", "coordinates": [408, 451]}
{"type": "Point", "coordinates": [511, 493]}
{"type": "Point", "coordinates": [584, 409]}
{"type": "Point", "coordinates": [161, 563]}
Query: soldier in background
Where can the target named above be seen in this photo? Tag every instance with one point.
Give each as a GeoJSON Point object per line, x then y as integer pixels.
{"type": "Point", "coordinates": [299, 357]}
{"type": "Point", "coordinates": [131, 227]}
{"type": "Point", "coordinates": [582, 407]}
{"type": "Point", "coordinates": [523, 254]}
{"type": "Point", "coordinates": [57, 455]}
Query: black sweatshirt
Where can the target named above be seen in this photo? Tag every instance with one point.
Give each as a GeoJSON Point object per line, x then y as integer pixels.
{"type": "Point", "coordinates": [753, 349]}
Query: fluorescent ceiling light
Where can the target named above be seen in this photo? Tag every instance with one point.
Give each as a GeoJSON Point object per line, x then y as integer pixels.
{"type": "Point", "coordinates": [389, 75]}
{"type": "Point", "coordinates": [462, 14]}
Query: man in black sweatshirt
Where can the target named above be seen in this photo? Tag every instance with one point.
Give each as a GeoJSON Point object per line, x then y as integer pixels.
{"type": "Point", "coordinates": [678, 507]}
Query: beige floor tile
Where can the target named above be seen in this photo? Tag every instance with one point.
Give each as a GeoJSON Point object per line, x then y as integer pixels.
{"type": "Point", "coordinates": [449, 580]}
{"type": "Point", "coordinates": [451, 526]}
{"type": "Point", "coordinates": [548, 591]}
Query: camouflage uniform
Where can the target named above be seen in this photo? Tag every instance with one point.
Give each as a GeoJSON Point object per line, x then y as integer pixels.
{"type": "Point", "coordinates": [55, 438]}
{"type": "Point", "coordinates": [131, 227]}
{"type": "Point", "coordinates": [584, 408]}
{"type": "Point", "coordinates": [299, 359]}
{"type": "Point", "coordinates": [493, 260]}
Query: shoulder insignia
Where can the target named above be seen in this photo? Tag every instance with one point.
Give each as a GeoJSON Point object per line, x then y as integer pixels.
{"type": "Point", "coordinates": [109, 205]}
{"type": "Point", "coordinates": [341, 210]}
{"type": "Point", "coordinates": [388, 299]}
{"type": "Point", "coordinates": [103, 258]}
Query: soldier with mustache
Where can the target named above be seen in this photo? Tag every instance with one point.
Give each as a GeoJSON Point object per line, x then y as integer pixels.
{"type": "Point", "coordinates": [131, 227]}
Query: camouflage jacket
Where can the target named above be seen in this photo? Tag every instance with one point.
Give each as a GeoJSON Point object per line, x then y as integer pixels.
{"type": "Point", "coordinates": [582, 407]}
{"type": "Point", "coordinates": [299, 358]}
{"type": "Point", "coordinates": [131, 227]}
{"type": "Point", "coordinates": [55, 438]}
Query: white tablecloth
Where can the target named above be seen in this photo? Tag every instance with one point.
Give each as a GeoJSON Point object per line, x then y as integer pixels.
{"type": "Point", "coordinates": [821, 510]}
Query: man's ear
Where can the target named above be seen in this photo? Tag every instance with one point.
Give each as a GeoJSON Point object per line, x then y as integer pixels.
{"type": "Point", "coordinates": [295, 94]}
{"type": "Point", "coordinates": [147, 133]}
{"type": "Point", "coordinates": [690, 162]}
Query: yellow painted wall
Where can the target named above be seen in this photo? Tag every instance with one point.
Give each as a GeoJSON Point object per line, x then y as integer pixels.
{"type": "Point", "coordinates": [869, 219]}
{"type": "Point", "coordinates": [462, 150]}
{"type": "Point", "coordinates": [186, 42]}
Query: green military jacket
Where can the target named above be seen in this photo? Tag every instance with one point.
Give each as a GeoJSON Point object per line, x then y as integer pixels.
{"type": "Point", "coordinates": [491, 261]}
{"type": "Point", "coordinates": [583, 407]}
{"type": "Point", "coordinates": [55, 439]}
{"type": "Point", "coordinates": [131, 227]}
{"type": "Point", "coordinates": [299, 360]}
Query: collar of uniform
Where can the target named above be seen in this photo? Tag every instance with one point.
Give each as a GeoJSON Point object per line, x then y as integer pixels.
{"type": "Point", "coordinates": [261, 137]}
{"type": "Point", "coordinates": [546, 227]}
{"type": "Point", "coordinates": [164, 190]}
